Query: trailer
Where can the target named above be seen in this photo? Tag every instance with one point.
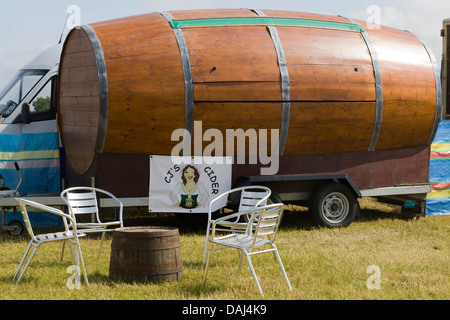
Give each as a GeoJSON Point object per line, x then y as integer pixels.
{"type": "Point", "coordinates": [355, 109]}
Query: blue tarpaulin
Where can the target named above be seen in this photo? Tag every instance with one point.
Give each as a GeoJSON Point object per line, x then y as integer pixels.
{"type": "Point", "coordinates": [438, 201]}
{"type": "Point", "coordinates": [39, 160]}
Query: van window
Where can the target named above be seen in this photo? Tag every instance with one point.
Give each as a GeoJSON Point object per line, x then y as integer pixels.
{"type": "Point", "coordinates": [42, 102]}
{"type": "Point", "coordinates": [43, 106]}
{"type": "Point", "coordinates": [13, 94]}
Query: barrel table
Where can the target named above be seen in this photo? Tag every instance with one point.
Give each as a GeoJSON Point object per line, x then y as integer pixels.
{"type": "Point", "coordinates": [146, 254]}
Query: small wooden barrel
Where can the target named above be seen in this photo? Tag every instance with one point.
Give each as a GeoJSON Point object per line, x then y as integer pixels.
{"type": "Point", "coordinates": [146, 254]}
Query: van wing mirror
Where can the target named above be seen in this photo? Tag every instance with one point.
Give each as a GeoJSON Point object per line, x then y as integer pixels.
{"type": "Point", "coordinates": [26, 116]}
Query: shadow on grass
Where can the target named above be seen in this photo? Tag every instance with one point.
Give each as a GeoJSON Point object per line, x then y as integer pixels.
{"type": "Point", "coordinates": [196, 223]}
{"type": "Point", "coordinates": [292, 220]}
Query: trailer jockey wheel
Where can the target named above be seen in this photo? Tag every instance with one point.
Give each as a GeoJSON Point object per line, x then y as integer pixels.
{"type": "Point", "coordinates": [334, 205]}
{"type": "Point", "coordinates": [16, 228]}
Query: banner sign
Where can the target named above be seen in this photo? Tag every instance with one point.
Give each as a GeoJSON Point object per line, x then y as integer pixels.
{"type": "Point", "coordinates": [188, 186]}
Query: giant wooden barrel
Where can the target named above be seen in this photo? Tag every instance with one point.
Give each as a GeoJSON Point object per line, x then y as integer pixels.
{"type": "Point", "coordinates": [329, 84]}
{"type": "Point", "coordinates": [146, 254]}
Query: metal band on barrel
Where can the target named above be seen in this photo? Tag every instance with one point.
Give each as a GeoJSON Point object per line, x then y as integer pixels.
{"type": "Point", "coordinates": [188, 84]}
{"type": "Point", "coordinates": [437, 79]}
{"type": "Point", "coordinates": [103, 86]}
{"type": "Point", "coordinates": [285, 83]}
{"type": "Point", "coordinates": [378, 85]}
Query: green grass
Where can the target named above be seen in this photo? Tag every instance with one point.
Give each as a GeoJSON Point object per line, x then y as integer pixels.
{"type": "Point", "coordinates": [322, 264]}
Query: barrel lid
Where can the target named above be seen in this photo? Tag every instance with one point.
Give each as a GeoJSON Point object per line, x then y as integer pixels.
{"type": "Point", "coordinates": [140, 232]}
{"type": "Point", "coordinates": [83, 98]}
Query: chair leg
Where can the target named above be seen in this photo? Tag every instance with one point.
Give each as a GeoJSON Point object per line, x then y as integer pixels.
{"type": "Point", "coordinates": [282, 267]}
{"type": "Point", "coordinates": [208, 257]}
{"type": "Point", "coordinates": [207, 241]}
{"type": "Point", "coordinates": [101, 244]}
{"type": "Point", "coordinates": [62, 252]}
{"type": "Point", "coordinates": [254, 274]}
{"type": "Point", "coordinates": [74, 253]}
{"type": "Point", "coordinates": [80, 258]}
{"type": "Point", "coordinates": [23, 259]}
{"type": "Point", "coordinates": [241, 258]}
{"type": "Point", "coordinates": [28, 262]}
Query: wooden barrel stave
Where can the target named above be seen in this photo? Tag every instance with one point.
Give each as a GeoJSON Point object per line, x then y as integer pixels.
{"type": "Point", "coordinates": [146, 254]}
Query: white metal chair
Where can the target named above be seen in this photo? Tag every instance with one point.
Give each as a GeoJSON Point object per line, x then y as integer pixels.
{"type": "Point", "coordinates": [267, 220]}
{"type": "Point", "coordinates": [83, 201]}
{"type": "Point", "coordinates": [36, 240]}
{"type": "Point", "coordinates": [250, 198]}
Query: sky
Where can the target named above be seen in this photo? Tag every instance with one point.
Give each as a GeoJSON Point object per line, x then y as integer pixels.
{"type": "Point", "coordinates": [28, 26]}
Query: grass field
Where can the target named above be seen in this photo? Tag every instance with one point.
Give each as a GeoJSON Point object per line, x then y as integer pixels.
{"type": "Point", "coordinates": [411, 255]}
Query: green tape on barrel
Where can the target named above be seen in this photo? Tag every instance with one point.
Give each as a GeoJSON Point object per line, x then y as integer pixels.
{"type": "Point", "coordinates": [265, 21]}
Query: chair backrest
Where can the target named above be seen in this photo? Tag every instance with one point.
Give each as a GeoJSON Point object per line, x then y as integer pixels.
{"type": "Point", "coordinates": [268, 220]}
{"type": "Point", "coordinates": [81, 200]}
{"type": "Point", "coordinates": [253, 197]}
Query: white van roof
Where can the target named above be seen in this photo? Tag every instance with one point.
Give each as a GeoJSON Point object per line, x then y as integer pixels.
{"type": "Point", "coordinates": [47, 59]}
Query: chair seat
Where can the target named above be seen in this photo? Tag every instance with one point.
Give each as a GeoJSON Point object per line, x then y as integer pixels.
{"type": "Point", "coordinates": [241, 241]}
{"type": "Point", "coordinates": [97, 226]}
{"type": "Point", "coordinates": [57, 236]}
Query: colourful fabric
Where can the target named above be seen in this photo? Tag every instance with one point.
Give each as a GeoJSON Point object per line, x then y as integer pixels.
{"type": "Point", "coordinates": [438, 201]}
{"type": "Point", "coordinates": [38, 158]}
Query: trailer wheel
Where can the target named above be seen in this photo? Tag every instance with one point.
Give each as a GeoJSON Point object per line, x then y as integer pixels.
{"type": "Point", "coordinates": [17, 228]}
{"type": "Point", "coordinates": [274, 198]}
{"type": "Point", "coordinates": [334, 205]}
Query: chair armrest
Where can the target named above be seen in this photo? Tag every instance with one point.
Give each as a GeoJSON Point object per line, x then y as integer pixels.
{"type": "Point", "coordinates": [235, 215]}
{"type": "Point", "coordinates": [119, 203]}
{"type": "Point", "coordinates": [46, 209]}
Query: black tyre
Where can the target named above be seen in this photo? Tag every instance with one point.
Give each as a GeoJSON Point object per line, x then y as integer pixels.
{"type": "Point", "coordinates": [17, 228]}
{"type": "Point", "coordinates": [334, 205]}
{"type": "Point", "coordinates": [274, 198]}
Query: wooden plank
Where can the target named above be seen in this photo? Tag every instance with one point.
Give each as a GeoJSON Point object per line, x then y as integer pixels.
{"type": "Point", "coordinates": [78, 103]}
{"type": "Point", "coordinates": [80, 89]}
{"type": "Point", "coordinates": [79, 59]}
{"type": "Point", "coordinates": [236, 53]}
{"type": "Point", "coordinates": [415, 129]}
{"type": "Point", "coordinates": [241, 91]}
{"type": "Point", "coordinates": [80, 118]}
{"type": "Point", "coordinates": [76, 137]}
{"type": "Point", "coordinates": [336, 68]}
{"type": "Point", "coordinates": [330, 127]}
{"type": "Point", "coordinates": [88, 73]}
{"type": "Point", "coordinates": [77, 45]}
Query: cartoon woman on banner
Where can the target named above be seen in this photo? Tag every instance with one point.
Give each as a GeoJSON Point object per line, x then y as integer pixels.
{"type": "Point", "coordinates": [189, 194]}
